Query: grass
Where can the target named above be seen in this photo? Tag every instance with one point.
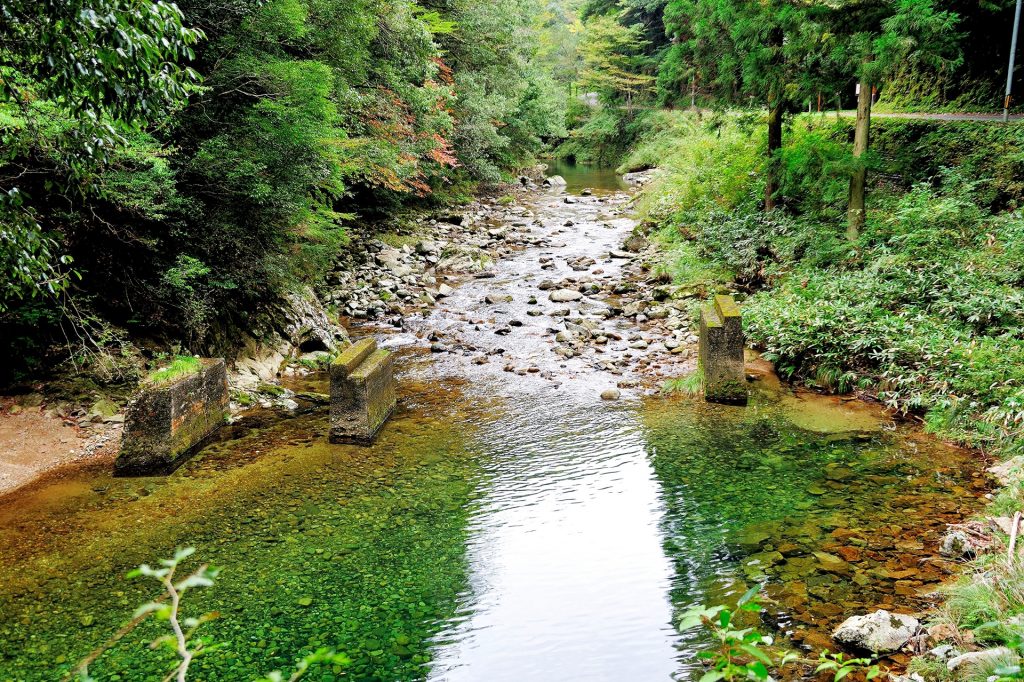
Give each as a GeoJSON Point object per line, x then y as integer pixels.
{"type": "Point", "coordinates": [399, 240]}
{"type": "Point", "coordinates": [681, 263]}
{"type": "Point", "coordinates": [180, 366]}
{"type": "Point", "coordinates": [689, 385]}
{"type": "Point", "coordinates": [988, 602]}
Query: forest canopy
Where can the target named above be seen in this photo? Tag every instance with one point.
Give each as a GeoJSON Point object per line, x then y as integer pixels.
{"type": "Point", "coordinates": [178, 164]}
{"type": "Point", "coordinates": [169, 168]}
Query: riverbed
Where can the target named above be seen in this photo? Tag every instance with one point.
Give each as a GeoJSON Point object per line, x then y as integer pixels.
{"type": "Point", "coordinates": [508, 524]}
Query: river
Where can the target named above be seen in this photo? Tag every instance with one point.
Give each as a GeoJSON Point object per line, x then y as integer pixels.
{"type": "Point", "coordinates": [505, 526]}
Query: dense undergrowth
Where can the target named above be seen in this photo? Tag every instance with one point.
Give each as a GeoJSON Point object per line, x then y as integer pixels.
{"type": "Point", "coordinates": [924, 310]}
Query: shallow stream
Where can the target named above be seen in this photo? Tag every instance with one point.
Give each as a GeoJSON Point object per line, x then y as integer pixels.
{"type": "Point", "coordinates": [504, 527]}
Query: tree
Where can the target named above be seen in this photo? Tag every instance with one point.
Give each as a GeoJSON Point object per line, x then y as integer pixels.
{"type": "Point", "coordinates": [740, 51]}
{"type": "Point", "coordinates": [613, 59]}
{"type": "Point", "coordinates": [874, 37]}
{"type": "Point", "coordinates": [101, 66]}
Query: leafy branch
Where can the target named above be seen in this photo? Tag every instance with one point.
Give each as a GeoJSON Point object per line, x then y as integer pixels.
{"type": "Point", "coordinates": [182, 639]}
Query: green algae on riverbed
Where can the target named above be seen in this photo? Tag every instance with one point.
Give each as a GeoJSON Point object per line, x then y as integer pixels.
{"type": "Point", "coordinates": [832, 523]}
{"type": "Point", "coordinates": [356, 549]}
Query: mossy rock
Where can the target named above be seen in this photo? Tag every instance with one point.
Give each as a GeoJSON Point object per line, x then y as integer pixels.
{"type": "Point", "coordinates": [270, 389]}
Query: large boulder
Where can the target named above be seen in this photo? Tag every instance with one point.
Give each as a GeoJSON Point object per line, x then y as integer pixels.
{"type": "Point", "coordinates": [1009, 471]}
{"type": "Point", "coordinates": [297, 323]}
{"type": "Point", "coordinates": [880, 632]}
{"type": "Point", "coordinates": [307, 326]}
{"type": "Point", "coordinates": [395, 261]}
{"type": "Point", "coordinates": [462, 258]}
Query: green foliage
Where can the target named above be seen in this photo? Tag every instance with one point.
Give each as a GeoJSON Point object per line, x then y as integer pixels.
{"type": "Point", "coordinates": [767, 50]}
{"type": "Point", "coordinates": [180, 366]}
{"type": "Point", "coordinates": [601, 135]}
{"type": "Point", "coordinates": [840, 666]}
{"type": "Point", "coordinates": [75, 78]}
{"type": "Point", "coordinates": [187, 221]}
{"type": "Point", "coordinates": [924, 310]}
{"type": "Point", "coordinates": [876, 37]}
{"type": "Point", "coordinates": [28, 261]}
{"type": "Point", "coordinates": [705, 163]}
{"type": "Point", "coordinates": [612, 60]}
{"type": "Point", "coordinates": [688, 385]}
{"type": "Point", "coordinates": [108, 63]}
{"type": "Point", "coordinates": [740, 654]}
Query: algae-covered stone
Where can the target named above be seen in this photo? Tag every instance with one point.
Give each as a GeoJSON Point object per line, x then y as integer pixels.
{"type": "Point", "coordinates": [362, 392]}
{"type": "Point", "coordinates": [166, 423]}
{"type": "Point", "coordinates": [103, 409]}
{"type": "Point", "coordinates": [721, 351]}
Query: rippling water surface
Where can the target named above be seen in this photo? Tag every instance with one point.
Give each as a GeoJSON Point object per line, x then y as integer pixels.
{"type": "Point", "coordinates": [568, 579]}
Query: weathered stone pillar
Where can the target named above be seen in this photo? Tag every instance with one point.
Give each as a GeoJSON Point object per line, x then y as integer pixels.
{"type": "Point", "coordinates": [721, 351]}
{"type": "Point", "coordinates": [362, 392]}
{"type": "Point", "coordinates": [164, 424]}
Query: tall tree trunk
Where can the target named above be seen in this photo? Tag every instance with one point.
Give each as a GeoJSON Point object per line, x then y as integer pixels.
{"type": "Point", "coordinates": [862, 131]}
{"type": "Point", "coordinates": [774, 145]}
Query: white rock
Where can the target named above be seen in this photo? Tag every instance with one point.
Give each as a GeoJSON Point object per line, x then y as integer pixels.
{"type": "Point", "coordinates": [879, 632]}
{"type": "Point", "coordinates": [565, 295]}
{"type": "Point", "coordinates": [977, 657]}
{"type": "Point", "coordinates": [1010, 471]}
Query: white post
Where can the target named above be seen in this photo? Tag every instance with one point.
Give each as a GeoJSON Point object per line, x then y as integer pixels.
{"type": "Point", "coordinates": [1009, 71]}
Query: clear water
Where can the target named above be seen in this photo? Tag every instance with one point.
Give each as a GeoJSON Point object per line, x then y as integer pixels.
{"type": "Point", "coordinates": [502, 528]}
{"type": "Point", "coordinates": [585, 176]}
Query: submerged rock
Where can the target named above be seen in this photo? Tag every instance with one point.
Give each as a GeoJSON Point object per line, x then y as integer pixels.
{"type": "Point", "coordinates": [880, 632]}
{"type": "Point", "coordinates": [956, 544]}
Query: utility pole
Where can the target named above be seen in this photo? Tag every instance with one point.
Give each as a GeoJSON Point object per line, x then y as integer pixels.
{"type": "Point", "coordinates": [1009, 72]}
